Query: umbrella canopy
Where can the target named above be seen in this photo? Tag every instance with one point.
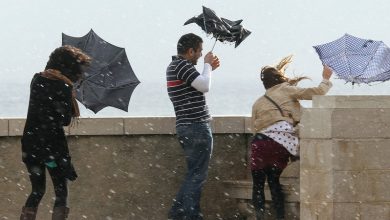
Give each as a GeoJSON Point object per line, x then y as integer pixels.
{"type": "Point", "coordinates": [356, 60]}
{"type": "Point", "coordinates": [237, 33]}
{"type": "Point", "coordinates": [222, 29]}
{"type": "Point", "coordinates": [109, 80]}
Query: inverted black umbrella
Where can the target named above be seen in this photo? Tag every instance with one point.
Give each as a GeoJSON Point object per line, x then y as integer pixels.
{"type": "Point", "coordinates": [109, 80]}
{"type": "Point", "coordinates": [237, 33]}
{"type": "Point", "coordinates": [222, 29]}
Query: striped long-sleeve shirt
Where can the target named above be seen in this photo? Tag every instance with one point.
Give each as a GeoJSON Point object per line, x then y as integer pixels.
{"type": "Point", "coordinates": [189, 104]}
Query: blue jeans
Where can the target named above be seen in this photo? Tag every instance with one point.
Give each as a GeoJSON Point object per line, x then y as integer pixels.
{"type": "Point", "coordinates": [197, 142]}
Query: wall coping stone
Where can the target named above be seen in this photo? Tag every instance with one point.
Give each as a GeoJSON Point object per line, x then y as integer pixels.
{"type": "Point", "coordinates": [353, 101]}
{"type": "Point", "coordinates": [131, 126]}
{"type": "Point", "coordinates": [220, 124]}
{"type": "Point", "coordinates": [346, 117]}
{"type": "Point", "coordinates": [4, 125]}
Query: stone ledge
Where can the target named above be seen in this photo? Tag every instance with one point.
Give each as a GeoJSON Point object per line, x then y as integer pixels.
{"type": "Point", "coordinates": [248, 125]}
{"type": "Point", "coordinates": [355, 101]}
{"type": "Point", "coordinates": [16, 126]}
{"type": "Point", "coordinates": [149, 125]}
{"type": "Point", "coordinates": [131, 125]}
{"type": "Point", "coordinates": [242, 189]}
{"type": "Point", "coordinates": [4, 127]}
{"type": "Point", "coordinates": [98, 126]}
{"type": "Point", "coordinates": [228, 124]}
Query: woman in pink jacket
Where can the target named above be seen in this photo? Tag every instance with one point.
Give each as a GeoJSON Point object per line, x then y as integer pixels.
{"type": "Point", "coordinates": [274, 119]}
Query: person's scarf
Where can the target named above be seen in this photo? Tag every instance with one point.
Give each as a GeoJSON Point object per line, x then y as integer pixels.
{"type": "Point", "coordinates": [56, 75]}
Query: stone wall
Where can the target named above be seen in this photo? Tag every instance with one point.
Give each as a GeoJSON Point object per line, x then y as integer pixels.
{"type": "Point", "coordinates": [129, 168]}
{"type": "Point", "coordinates": [345, 151]}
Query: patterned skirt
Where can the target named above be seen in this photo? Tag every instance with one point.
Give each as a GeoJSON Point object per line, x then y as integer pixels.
{"type": "Point", "coordinates": [266, 152]}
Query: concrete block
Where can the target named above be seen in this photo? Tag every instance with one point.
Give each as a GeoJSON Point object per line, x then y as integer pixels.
{"type": "Point", "coordinates": [16, 126]}
{"type": "Point", "coordinates": [346, 211]}
{"type": "Point", "coordinates": [3, 127]}
{"type": "Point", "coordinates": [229, 124]}
{"type": "Point", "coordinates": [150, 125]}
{"type": "Point", "coordinates": [360, 123]}
{"type": "Point", "coordinates": [248, 125]}
{"type": "Point", "coordinates": [361, 186]}
{"type": "Point", "coordinates": [351, 102]}
{"type": "Point", "coordinates": [316, 154]}
{"type": "Point", "coordinates": [378, 182]}
{"type": "Point", "coordinates": [316, 123]}
{"type": "Point", "coordinates": [292, 170]}
{"type": "Point", "coordinates": [316, 186]}
{"type": "Point", "coordinates": [98, 126]}
{"type": "Point", "coordinates": [375, 211]}
{"type": "Point", "coordinates": [238, 189]}
{"type": "Point", "coordinates": [67, 130]}
{"type": "Point", "coordinates": [349, 186]}
{"type": "Point", "coordinates": [316, 211]}
{"type": "Point", "coordinates": [362, 154]}
{"type": "Point", "coordinates": [242, 189]}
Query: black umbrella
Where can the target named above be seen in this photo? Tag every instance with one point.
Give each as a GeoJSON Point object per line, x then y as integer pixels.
{"type": "Point", "coordinates": [222, 29]}
{"type": "Point", "coordinates": [237, 32]}
{"type": "Point", "coordinates": [109, 80]}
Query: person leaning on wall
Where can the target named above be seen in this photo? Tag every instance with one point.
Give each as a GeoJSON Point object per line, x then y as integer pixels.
{"type": "Point", "coordinates": [274, 118]}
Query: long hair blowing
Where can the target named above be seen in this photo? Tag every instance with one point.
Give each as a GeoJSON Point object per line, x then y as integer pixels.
{"type": "Point", "coordinates": [274, 75]}
{"type": "Point", "coordinates": [69, 61]}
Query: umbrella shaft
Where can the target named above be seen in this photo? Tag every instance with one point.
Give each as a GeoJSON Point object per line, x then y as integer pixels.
{"type": "Point", "coordinates": [214, 45]}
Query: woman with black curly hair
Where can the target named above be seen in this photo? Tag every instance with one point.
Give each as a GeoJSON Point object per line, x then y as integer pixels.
{"type": "Point", "coordinates": [52, 105]}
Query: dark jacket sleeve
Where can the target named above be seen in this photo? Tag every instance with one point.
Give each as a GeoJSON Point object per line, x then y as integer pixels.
{"type": "Point", "coordinates": [63, 105]}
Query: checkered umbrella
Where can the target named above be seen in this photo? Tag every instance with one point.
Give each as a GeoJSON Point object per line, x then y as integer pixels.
{"type": "Point", "coordinates": [356, 60]}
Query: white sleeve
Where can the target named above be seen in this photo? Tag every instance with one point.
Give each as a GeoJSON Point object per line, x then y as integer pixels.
{"type": "Point", "coordinates": [203, 81]}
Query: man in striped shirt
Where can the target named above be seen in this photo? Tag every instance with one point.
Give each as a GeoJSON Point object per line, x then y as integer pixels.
{"type": "Point", "coordinates": [186, 88]}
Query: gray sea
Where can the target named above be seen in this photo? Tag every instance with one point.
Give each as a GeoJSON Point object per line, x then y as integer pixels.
{"type": "Point", "coordinates": [228, 96]}
{"type": "Point", "coordinates": [148, 99]}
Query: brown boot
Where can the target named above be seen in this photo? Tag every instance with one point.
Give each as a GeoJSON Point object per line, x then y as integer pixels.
{"type": "Point", "coordinates": [28, 213]}
{"type": "Point", "coordinates": [60, 213]}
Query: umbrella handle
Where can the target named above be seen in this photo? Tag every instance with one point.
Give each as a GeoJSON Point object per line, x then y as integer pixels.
{"type": "Point", "coordinates": [214, 45]}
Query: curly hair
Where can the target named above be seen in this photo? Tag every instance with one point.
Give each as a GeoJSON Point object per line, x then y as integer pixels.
{"type": "Point", "coordinates": [69, 61]}
{"type": "Point", "coordinates": [272, 76]}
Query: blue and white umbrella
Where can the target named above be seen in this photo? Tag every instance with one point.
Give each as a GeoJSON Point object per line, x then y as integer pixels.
{"type": "Point", "coordinates": [356, 60]}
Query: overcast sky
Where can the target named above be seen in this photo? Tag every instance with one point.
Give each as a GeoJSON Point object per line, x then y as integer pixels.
{"type": "Point", "coordinates": [149, 30]}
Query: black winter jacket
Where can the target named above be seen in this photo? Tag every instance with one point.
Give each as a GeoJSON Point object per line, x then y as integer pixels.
{"type": "Point", "coordinates": [50, 108]}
